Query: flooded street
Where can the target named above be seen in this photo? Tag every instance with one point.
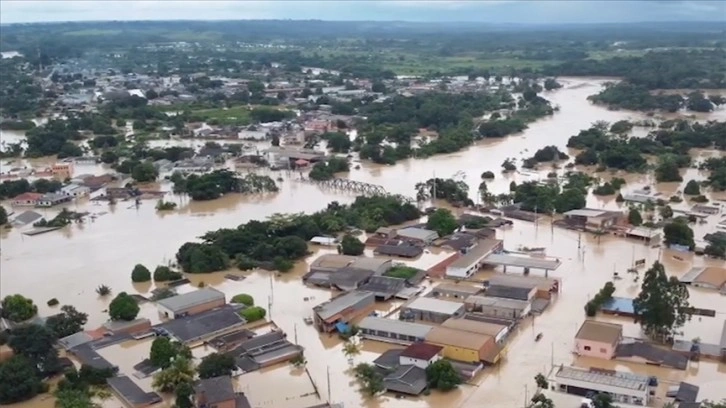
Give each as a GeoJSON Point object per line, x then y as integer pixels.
{"type": "Point", "coordinates": [69, 265]}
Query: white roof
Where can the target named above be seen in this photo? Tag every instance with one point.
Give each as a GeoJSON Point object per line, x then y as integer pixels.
{"type": "Point", "coordinates": [435, 305]}
{"type": "Point", "coordinates": [585, 212]}
{"type": "Point", "coordinates": [395, 326]}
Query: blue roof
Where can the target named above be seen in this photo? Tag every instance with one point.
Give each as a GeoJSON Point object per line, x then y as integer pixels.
{"type": "Point", "coordinates": [620, 305]}
{"type": "Point", "coordinates": [342, 327]}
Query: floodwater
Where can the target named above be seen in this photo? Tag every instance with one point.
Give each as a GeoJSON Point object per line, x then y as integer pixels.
{"type": "Point", "coordinates": [69, 264]}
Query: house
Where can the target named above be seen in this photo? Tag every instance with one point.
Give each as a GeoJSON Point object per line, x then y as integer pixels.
{"type": "Point", "coordinates": [62, 170]}
{"type": "Point", "coordinates": [378, 266]}
{"type": "Point", "coordinates": [431, 309]}
{"type": "Point", "coordinates": [392, 330]}
{"type": "Point", "coordinates": [456, 291]}
{"type": "Point", "coordinates": [406, 379]}
{"type": "Point", "coordinates": [52, 199]}
{"type": "Point", "coordinates": [461, 242]}
{"type": "Point", "coordinates": [525, 293]}
{"type": "Point", "coordinates": [264, 350]}
{"type": "Point", "coordinates": [501, 308]}
{"type": "Point", "coordinates": [588, 219]}
{"type": "Point", "coordinates": [26, 218]}
{"type": "Point", "coordinates": [646, 353]}
{"type": "Point", "coordinates": [464, 346]}
{"type": "Point", "coordinates": [625, 388]}
{"type": "Point", "coordinates": [115, 327]}
{"type": "Point", "coordinates": [473, 259]}
{"type": "Point", "coordinates": [419, 235]}
{"type": "Point", "coordinates": [197, 328]}
{"type": "Point", "coordinates": [197, 165]}
{"type": "Point", "coordinates": [545, 286]}
{"type": "Point", "coordinates": [218, 392]}
{"type": "Point", "coordinates": [131, 394]}
{"type": "Point", "coordinates": [342, 309]}
{"type": "Point", "coordinates": [75, 190]}
{"type": "Point", "coordinates": [598, 339]}
{"type": "Point", "coordinates": [383, 287]}
{"type": "Point", "coordinates": [709, 277]}
{"type": "Point", "coordinates": [26, 200]}
{"type": "Point", "coordinates": [420, 355]}
{"type": "Point", "coordinates": [331, 263]}
{"type": "Point", "coordinates": [187, 304]}
{"type": "Point", "coordinates": [389, 360]}
{"type": "Point", "coordinates": [399, 248]}
{"type": "Point", "coordinates": [498, 331]}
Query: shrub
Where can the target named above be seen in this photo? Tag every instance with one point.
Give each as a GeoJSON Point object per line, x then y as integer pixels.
{"type": "Point", "coordinates": [244, 299]}
{"type": "Point", "coordinates": [140, 274]}
{"type": "Point", "coordinates": [164, 274]}
{"type": "Point", "coordinates": [253, 313]}
{"type": "Point", "coordinates": [53, 302]}
{"type": "Point", "coordinates": [487, 175]}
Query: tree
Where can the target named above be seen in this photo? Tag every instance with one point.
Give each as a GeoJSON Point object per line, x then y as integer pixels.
{"type": "Point", "coordinates": [123, 307]}
{"type": "Point", "coordinates": [350, 350]}
{"type": "Point", "coordinates": [165, 274]}
{"type": "Point", "coordinates": [378, 86]}
{"type": "Point", "coordinates": [667, 170]}
{"type": "Point", "coordinates": [634, 217]}
{"type": "Point", "coordinates": [162, 352]}
{"type": "Point", "coordinates": [677, 232]}
{"type": "Point", "coordinates": [140, 274]}
{"type": "Point", "coordinates": [244, 299]}
{"type": "Point", "coordinates": [603, 401]}
{"type": "Point", "coordinates": [183, 393]}
{"type": "Point", "coordinates": [3, 215]}
{"type": "Point", "coordinates": [19, 380]}
{"type": "Point", "coordinates": [36, 343]}
{"type": "Point", "coordinates": [253, 313]}
{"type": "Point", "coordinates": [666, 212]}
{"type": "Point", "coordinates": [351, 245]}
{"type": "Point", "coordinates": [442, 221]}
{"type": "Point", "coordinates": [692, 188]}
{"type": "Point", "coordinates": [109, 157]}
{"type": "Point", "coordinates": [662, 305]}
{"type": "Point", "coordinates": [541, 401]}
{"type": "Point", "coordinates": [216, 365]}
{"type": "Point", "coordinates": [442, 376]}
{"type": "Point", "coordinates": [144, 172]}
{"type": "Point", "coordinates": [74, 398]}
{"type": "Point", "coordinates": [70, 321]}
{"type": "Point", "coordinates": [103, 290]}
{"type": "Point", "coordinates": [18, 308]}
{"type": "Point", "coordinates": [541, 381]}
{"type": "Point", "coordinates": [179, 372]}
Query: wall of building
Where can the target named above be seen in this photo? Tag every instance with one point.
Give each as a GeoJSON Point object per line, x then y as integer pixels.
{"type": "Point", "coordinates": [428, 316]}
{"type": "Point", "coordinates": [503, 313]}
{"type": "Point", "coordinates": [595, 349]}
{"type": "Point", "coordinates": [418, 362]}
{"type": "Point", "coordinates": [459, 354]}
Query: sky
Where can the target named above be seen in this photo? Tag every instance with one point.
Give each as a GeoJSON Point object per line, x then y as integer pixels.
{"type": "Point", "coordinates": [485, 11]}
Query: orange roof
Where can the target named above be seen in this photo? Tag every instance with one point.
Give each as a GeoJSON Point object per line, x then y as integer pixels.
{"type": "Point", "coordinates": [27, 197]}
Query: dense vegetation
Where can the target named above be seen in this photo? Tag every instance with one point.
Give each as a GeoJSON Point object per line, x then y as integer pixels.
{"type": "Point", "coordinates": [326, 170]}
{"type": "Point", "coordinates": [213, 185]}
{"type": "Point", "coordinates": [284, 237]}
{"type": "Point", "coordinates": [662, 304]}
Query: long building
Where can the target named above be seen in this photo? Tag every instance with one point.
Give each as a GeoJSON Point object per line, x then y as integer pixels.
{"type": "Point", "coordinates": [431, 309]}
{"type": "Point", "coordinates": [342, 309]}
{"type": "Point", "coordinates": [623, 387]}
{"type": "Point", "coordinates": [473, 260]}
{"type": "Point", "coordinates": [464, 346]}
{"type": "Point", "coordinates": [393, 331]}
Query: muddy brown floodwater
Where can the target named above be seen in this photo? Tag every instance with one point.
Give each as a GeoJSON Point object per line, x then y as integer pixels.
{"type": "Point", "coordinates": [69, 264]}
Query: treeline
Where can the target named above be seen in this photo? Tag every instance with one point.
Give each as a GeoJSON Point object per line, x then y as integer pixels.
{"type": "Point", "coordinates": [282, 239]}
{"type": "Point", "coordinates": [637, 97]}
{"type": "Point", "coordinates": [213, 185]}
{"type": "Point", "coordinates": [12, 188]}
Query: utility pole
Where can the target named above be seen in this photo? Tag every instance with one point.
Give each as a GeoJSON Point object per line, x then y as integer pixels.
{"type": "Point", "coordinates": [579, 241]}
{"type": "Point", "coordinates": [526, 397]}
{"type": "Point", "coordinates": [434, 198]}
{"type": "Point", "coordinates": [269, 306]}
{"type": "Point", "coordinates": [552, 356]}
{"type": "Point", "coordinates": [295, 330]}
{"type": "Point", "coordinates": [329, 399]}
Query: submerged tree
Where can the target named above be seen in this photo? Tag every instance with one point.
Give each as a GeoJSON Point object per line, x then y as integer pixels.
{"type": "Point", "coordinates": [662, 305]}
{"type": "Point", "coordinates": [442, 376]}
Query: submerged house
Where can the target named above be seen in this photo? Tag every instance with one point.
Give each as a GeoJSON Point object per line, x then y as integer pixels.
{"type": "Point", "coordinates": [342, 309]}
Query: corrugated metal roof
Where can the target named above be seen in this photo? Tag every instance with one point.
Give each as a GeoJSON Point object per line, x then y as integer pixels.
{"type": "Point", "coordinates": [435, 305]}
{"type": "Point", "coordinates": [395, 326]}
{"type": "Point", "coordinates": [458, 338]}
{"type": "Point", "coordinates": [187, 300]}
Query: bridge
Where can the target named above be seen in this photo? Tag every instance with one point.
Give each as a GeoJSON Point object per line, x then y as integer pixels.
{"type": "Point", "coordinates": [358, 187]}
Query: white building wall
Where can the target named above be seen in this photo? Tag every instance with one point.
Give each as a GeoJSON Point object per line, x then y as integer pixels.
{"type": "Point", "coordinates": [163, 311]}
{"type": "Point", "coordinates": [418, 362]}
{"type": "Point", "coordinates": [603, 388]}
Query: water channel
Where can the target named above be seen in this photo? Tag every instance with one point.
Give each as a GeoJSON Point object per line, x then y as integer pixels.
{"type": "Point", "coordinates": [69, 264]}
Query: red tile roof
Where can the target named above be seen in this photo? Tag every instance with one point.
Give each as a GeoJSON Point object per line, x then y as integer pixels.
{"type": "Point", "coordinates": [27, 197]}
{"type": "Point", "coordinates": [421, 351]}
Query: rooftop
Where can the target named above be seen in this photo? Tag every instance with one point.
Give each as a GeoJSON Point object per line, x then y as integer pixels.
{"type": "Point", "coordinates": [88, 356]}
{"type": "Point", "coordinates": [131, 393]}
{"type": "Point", "coordinates": [491, 301]}
{"type": "Point", "coordinates": [338, 304]}
{"type": "Point", "coordinates": [383, 286]}
{"type": "Point", "coordinates": [185, 301]}
{"type": "Point", "coordinates": [619, 305]}
{"type": "Point", "coordinates": [332, 261]}
{"type": "Point", "coordinates": [523, 261]}
{"type": "Point", "coordinates": [585, 212]}
{"type": "Point", "coordinates": [421, 351]}
{"type": "Point", "coordinates": [602, 332]}
{"type": "Point", "coordinates": [216, 390]}
{"type": "Point", "coordinates": [611, 378]}
{"type": "Point", "coordinates": [710, 275]}
{"type": "Point", "coordinates": [474, 326]}
{"type": "Point", "coordinates": [457, 338]}
{"type": "Point", "coordinates": [417, 233]}
{"type": "Point", "coordinates": [457, 288]}
{"type": "Point", "coordinates": [403, 250]}
{"type": "Point", "coordinates": [508, 292]}
{"type": "Point", "coordinates": [212, 322]}
{"type": "Point", "coordinates": [435, 305]}
{"type": "Point", "coordinates": [371, 264]}
{"type": "Point", "coordinates": [474, 255]}
{"type": "Point", "coordinates": [416, 330]}
{"type": "Point", "coordinates": [407, 379]}
{"type": "Point", "coordinates": [652, 354]}
{"type": "Point", "coordinates": [389, 360]}
{"type": "Point", "coordinates": [75, 340]}
{"type": "Point", "coordinates": [540, 282]}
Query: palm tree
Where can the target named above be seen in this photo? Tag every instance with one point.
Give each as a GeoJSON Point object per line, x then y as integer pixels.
{"type": "Point", "coordinates": [350, 350]}
{"type": "Point", "coordinates": [103, 290]}
{"type": "Point", "coordinates": [180, 371]}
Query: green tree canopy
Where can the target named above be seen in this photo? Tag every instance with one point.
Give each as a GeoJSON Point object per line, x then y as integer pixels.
{"type": "Point", "coordinates": [442, 221]}
{"type": "Point", "coordinates": [442, 376]}
{"type": "Point", "coordinates": [243, 298]}
{"type": "Point", "coordinates": [677, 232]}
{"type": "Point", "coordinates": [69, 321]}
{"type": "Point", "coordinates": [3, 215]}
{"type": "Point", "coordinates": [351, 245]}
{"type": "Point", "coordinates": [216, 365]}
{"type": "Point", "coordinates": [165, 274]}
{"type": "Point", "coordinates": [144, 172]}
{"type": "Point", "coordinates": [123, 307]}
{"type": "Point", "coordinates": [18, 308]}
{"type": "Point", "coordinates": [37, 344]}
{"type": "Point", "coordinates": [19, 380]}
{"type": "Point", "coordinates": [253, 313]}
{"type": "Point", "coordinates": [692, 188]}
{"type": "Point", "coordinates": [179, 372]}
{"type": "Point", "coordinates": [140, 274]}
{"type": "Point", "coordinates": [662, 304]}
{"type": "Point", "coordinates": [164, 351]}
{"type": "Point", "coordinates": [634, 217]}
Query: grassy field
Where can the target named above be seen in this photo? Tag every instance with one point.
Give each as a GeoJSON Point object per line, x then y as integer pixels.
{"type": "Point", "coordinates": [236, 116]}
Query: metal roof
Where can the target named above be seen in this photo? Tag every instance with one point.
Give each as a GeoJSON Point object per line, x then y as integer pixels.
{"type": "Point", "coordinates": [187, 300]}
{"type": "Point", "coordinates": [458, 338]}
{"type": "Point", "coordinates": [338, 304]}
{"type": "Point", "coordinates": [602, 332]}
{"type": "Point", "coordinates": [521, 261]}
{"type": "Point", "coordinates": [476, 253]}
{"type": "Point", "coordinates": [418, 233]}
{"type": "Point", "coordinates": [75, 340]}
{"type": "Point", "coordinates": [610, 378]}
{"type": "Point", "coordinates": [585, 212]}
{"type": "Point", "coordinates": [497, 302]}
{"type": "Point", "coordinates": [508, 292]}
{"type": "Point", "coordinates": [217, 389]}
{"type": "Point", "coordinates": [210, 323]}
{"type": "Point", "coordinates": [131, 393]}
{"type": "Point", "coordinates": [435, 305]}
{"type": "Point", "coordinates": [395, 326]}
